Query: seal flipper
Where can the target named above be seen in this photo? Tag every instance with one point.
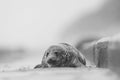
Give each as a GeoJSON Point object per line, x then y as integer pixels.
{"type": "Point", "coordinates": [38, 66]}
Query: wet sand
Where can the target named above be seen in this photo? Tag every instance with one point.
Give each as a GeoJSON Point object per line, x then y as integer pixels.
{"type": "Point", "coordinates": [60, 74]}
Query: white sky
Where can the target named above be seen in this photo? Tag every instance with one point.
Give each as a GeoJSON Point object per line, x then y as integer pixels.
{"type": "Point", "coordinates": [39, 22]}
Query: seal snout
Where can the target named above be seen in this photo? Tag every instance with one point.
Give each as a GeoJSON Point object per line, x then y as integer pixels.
{"type": "Point", "coordinates": [52, 61]}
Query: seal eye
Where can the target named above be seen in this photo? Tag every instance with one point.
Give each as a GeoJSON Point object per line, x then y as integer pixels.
{"type": "Point", "coordinates": [47, 54]}
{"type": "Point", "coordinates": [56, 53]}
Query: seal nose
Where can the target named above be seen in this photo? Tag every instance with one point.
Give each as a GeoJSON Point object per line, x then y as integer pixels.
{"type": "Point", "coordinates": [51, 61]}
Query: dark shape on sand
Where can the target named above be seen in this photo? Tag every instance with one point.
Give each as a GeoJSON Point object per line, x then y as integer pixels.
{"type": "Point", "coordinates": [38, 66]}
{"type": "Point", "coordinates": [62, 55]}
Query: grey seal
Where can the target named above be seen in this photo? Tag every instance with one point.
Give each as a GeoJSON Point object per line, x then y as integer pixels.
{"type": "Point", "coordinates": [62, 55]}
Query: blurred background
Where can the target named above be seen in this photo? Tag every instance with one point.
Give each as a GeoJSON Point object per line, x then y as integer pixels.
{"type": "Point", "coordinates": [29, 27]}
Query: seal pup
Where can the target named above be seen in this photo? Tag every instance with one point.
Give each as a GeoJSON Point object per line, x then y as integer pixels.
{"type": "Point", "coordinates": [62, 55]}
